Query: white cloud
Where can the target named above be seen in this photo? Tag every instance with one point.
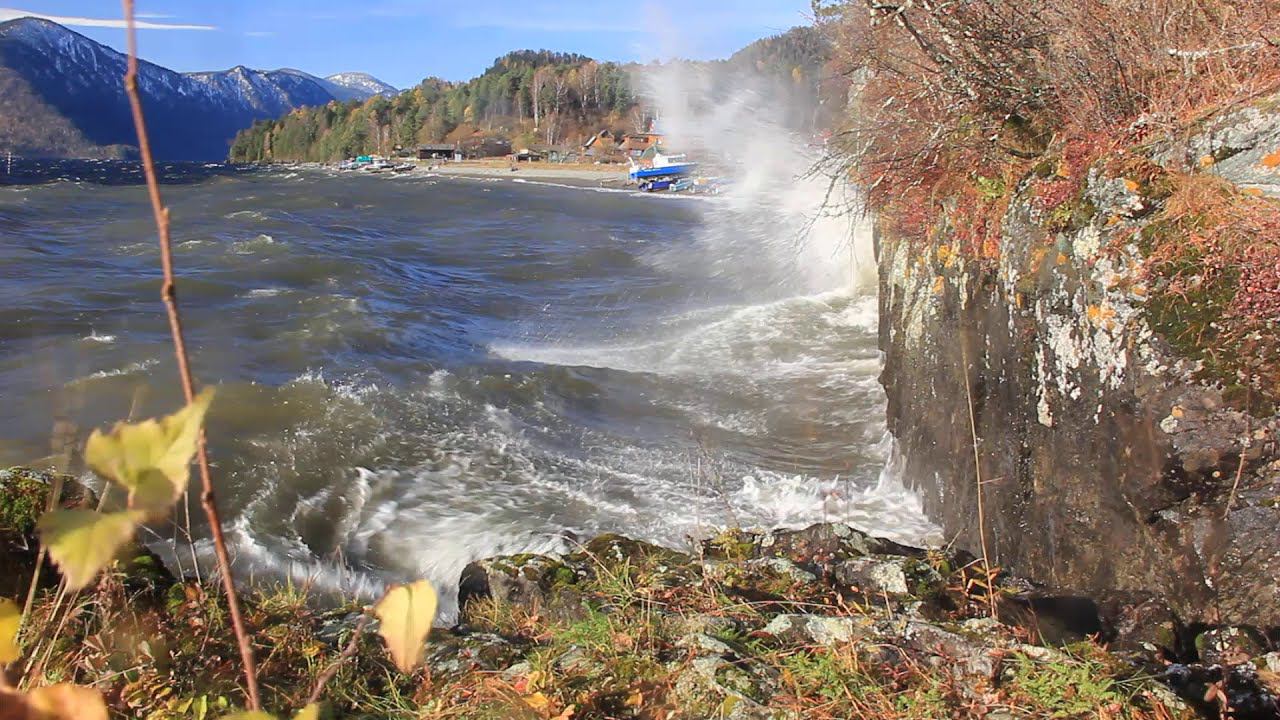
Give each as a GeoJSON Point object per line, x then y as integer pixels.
{"type": "Point", "coordinates": [14, 14]}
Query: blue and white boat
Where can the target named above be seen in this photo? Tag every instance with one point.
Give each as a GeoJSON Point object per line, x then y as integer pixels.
{"type": "Point", "coordinates": [655, 165]}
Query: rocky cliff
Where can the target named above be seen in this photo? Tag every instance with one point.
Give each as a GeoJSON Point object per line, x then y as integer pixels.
{"type": "Point", "coordinates": [1123, 444]}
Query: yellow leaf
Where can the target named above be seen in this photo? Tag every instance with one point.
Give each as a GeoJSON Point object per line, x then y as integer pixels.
{"type": "Point", "coordinates": [538, 702]}
{"type": "Point", "coordinates": [152, 458]}
{"type": "Point", "coordinates": [65, 701]}
{"type": "Point", "coordinates": [252, 715]}
{"type": "Point", "coordinates": [567, 714]}
{"type": "Point", "coordinates": [82, 542]}
{"type": "Point", "coordinates": [635, 699]}
{"type": "Point", "coordinates": [310, 712]}
{"type": "Point", "coordinates": [405, 615]}
{"type": "Point", "coordinates": [10, 619]}
{"type": "Point", "coordinates": [536, 680]}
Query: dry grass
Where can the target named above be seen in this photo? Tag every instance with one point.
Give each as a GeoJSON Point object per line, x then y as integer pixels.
{"type": "Point", "coordinates": [959, 91]}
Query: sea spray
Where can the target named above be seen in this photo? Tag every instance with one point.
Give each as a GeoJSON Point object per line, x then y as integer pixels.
{"type": "Point", "coordinates": [782, 202]}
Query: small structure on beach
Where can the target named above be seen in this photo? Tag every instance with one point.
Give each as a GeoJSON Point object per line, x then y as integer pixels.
{"type": "Point", "coordinates": [438, 151]}
{"type": "Point", "coordinates": [636, 144]}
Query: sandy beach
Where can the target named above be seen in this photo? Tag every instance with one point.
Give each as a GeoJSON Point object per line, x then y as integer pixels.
{"type": "Point", "coordinates": [590, 175]}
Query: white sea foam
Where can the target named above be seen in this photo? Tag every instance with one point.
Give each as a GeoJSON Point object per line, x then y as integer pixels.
{"type": "Point", "coordinates": [133, 368]}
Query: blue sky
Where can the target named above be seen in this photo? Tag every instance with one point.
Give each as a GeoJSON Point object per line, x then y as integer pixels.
{"type": "Point", "coordinates": [403, 41]}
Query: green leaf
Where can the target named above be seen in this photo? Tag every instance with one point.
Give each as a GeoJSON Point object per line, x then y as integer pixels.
{"type": "Point", "coordinates": [82, 542]}
{"type": "Point", "coordinates": [310, 712]}
{"type": "Point", "coordinates": [152, 458]}
{"type": "Point", "coordinates": [251, 715]}
{"type": "Point", "coordinates": [405, 615]}
{"type": "Point", "coordinates": [10, 620]}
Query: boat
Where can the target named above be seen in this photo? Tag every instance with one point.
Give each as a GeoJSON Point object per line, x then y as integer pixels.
{"type": "Point", "coordinates": [657, 184]}
{"type": "Point", "coordinates": [656, 165]}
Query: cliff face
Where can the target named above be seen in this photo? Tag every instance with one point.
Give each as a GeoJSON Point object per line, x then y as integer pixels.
{"type": "Point", "coordinates": [1109, 457]}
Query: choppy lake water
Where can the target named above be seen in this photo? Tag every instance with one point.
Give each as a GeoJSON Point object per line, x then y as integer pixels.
{"type": "Point", "coordinates": [417, 371]}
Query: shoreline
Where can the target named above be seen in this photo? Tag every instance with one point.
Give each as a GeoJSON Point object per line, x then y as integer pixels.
{"type": "Point", "coordinates": [762, 620]}
{"type": "Point", "coordinates": [584, 176]}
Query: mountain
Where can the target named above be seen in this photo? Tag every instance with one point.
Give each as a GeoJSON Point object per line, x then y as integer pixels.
{"type": "Point", "coordinates": [357, 86]}
{"type": "Point", "coordinates": [61, 95]}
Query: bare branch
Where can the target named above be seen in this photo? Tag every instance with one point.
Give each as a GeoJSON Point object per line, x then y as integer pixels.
{"type": "Point", "coordinates": [168, 293]}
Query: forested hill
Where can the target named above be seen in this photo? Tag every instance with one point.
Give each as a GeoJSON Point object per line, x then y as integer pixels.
{"type": "Point", "coordinates": [526, 97]}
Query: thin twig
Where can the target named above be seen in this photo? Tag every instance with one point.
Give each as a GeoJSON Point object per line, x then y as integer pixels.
{"type": "Point", "coordinates": [977, 469]}
{"type": "Point", "coordinates": [168, 294]}
{"type": "Point", "coordinates": [345, 655]}
{"type": "Point", "coordinates": [51, 504]}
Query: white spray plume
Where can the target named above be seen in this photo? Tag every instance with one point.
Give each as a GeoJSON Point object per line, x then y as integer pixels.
{"type": "Point", "coordinates": [780, 199]}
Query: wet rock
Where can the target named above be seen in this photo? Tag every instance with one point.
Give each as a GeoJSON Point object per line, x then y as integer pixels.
{"type": "Point", "coordinates": [1229, 645]}
{"type": "Point", "coordinates": [530, 581]}
{"type": "Point", "coordinates": [452, 653]}
{"type": "Point", "coordinates": [1209, 687]}
{"type": "Point", "coordinates": [762, 578]}
{"type": "Point", "coordinates": [1140, 622]}
{"type": "Point", "coordinates": [610, 557]}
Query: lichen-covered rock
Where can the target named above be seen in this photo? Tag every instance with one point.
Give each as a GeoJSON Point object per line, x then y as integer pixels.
{"type": "Point", "coordinates": [814, 547]}
{"type": "Point", "coordinates": [740, 690]}
{"type": "Point", "coordinates": [451, 654]}
{"type": "Point", "coordinates": [873, 575]}
{"type": "Point", "coordinates": [523, 580]}
{"type": "Point", "coordinates": [1112, 457]}
{"type": "Point", "coordinates": [636, 641]}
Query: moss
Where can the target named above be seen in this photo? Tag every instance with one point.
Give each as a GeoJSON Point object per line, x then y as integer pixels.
{"type": "Point", "coordinates": [732, 545]}
{"type": "Point", "coordinates": [1067, 687]}
{"type": "Point", "coordinates": [563, 575]}
{"type": "Point", "coordinates": [24, 495]}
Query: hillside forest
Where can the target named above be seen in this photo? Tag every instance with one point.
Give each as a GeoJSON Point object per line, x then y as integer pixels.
{"type": "Point", "coordinates": [530, 98]}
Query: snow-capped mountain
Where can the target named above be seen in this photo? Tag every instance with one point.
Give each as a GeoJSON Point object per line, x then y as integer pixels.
{"type": "Point", "coordinates": [61, 94]}
{"type": "Point", "coordinates": [357, 86]}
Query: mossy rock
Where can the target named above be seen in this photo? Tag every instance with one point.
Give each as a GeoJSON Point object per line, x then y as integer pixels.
{"type": "Point", "coordinates": [24, 495]}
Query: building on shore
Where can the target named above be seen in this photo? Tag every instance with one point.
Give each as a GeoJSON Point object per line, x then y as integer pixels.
{"type": "Point", "coordinates": [438, 151]}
